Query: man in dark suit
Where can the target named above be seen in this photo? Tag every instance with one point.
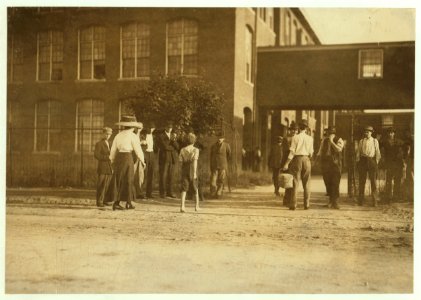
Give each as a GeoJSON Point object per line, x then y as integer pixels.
{"type": "Point", "coordinates": [168, 156]}
{"type": "Point", "coordinates": [274, 162]}
{"type": "Point", "coordinates": [104, 170]}
{"type": "Point", "coordinates": [219, 157]}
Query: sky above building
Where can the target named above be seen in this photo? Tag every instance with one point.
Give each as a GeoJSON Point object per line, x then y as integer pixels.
{"type": "Point", "coordinates": [361, 25]}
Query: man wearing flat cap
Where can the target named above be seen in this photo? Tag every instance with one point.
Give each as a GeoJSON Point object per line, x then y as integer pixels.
{"type": "Point", "coordinates": [299, 156]}
{"type": "Point", "coordinates": [104, 170]}
{"type": "Point", "coordinates": [367, 158]}
{"type": "Point", "coordinates": [393, 163]}
{"type": "Point", "coordinates": [274, 162]}
{"type": "Point", "coordinates": [330, 154]}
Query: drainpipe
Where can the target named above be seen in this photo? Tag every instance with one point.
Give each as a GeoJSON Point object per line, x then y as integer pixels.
{"type": "Point", "coordinates": [255, 136]}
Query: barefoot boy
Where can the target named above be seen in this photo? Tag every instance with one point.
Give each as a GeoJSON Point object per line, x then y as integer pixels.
{"type": "Point", "coordinates": [188, 161]}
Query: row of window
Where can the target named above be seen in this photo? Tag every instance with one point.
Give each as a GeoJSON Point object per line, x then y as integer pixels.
{"type": "Point", "coordinates": [181, 45]}
{"type": "Point", "coordinates": [89, 124]}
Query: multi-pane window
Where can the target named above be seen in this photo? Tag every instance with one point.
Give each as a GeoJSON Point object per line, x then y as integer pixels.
{"type": "Point", "coordinates": [50, 56]}
{"type": "Point", "coordinates": [182, 36]}
{"type": "Point", "coordinates": [125, 108]}
{"type": "Point", "coordinates": [135, 50]}
{"type": "Point", "coordinates": [287, 29]}
{"type": "Point", "coordinates": [249, 53]}
{"type": "Point", "coordinates": [47, 126]}
{"type": "Point", "coordinates": [16, 60]}
{"type": "Point", "coordinates": [89, 124]}
{"type": "Point", "coordinates": [92, 53]}
{"type": "Point", "coordinates": [371, 63]}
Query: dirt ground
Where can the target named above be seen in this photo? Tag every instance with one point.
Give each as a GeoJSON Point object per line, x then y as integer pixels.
{"type": "Point", "coordinates": [245, 243]}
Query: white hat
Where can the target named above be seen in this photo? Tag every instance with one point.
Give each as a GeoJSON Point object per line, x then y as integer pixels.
{"type": "Point", "coordinates": [129, 121]}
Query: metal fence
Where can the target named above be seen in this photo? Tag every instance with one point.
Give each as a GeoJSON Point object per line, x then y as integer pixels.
{"type": "Point", "coordinates": [68, 159]}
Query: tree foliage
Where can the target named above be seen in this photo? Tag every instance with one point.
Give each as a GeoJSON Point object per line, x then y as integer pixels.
{"type": "Point", "coordinates": [187, 102]}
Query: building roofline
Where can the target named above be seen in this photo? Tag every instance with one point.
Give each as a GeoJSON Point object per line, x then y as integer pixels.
{"type": "Point", "coordinates": [306, 25]}
{"type": "Point", "coordinates": [335, 46]}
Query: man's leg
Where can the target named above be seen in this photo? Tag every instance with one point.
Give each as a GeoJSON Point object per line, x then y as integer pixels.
{"type": "Point", "coordinates": [388, 188]}
{"type": "Point", "coordinates": [335, 176]}
{"type": "Point", "coordinates": [275, 178]}
{"type": "Point", "coordinates": [213, 178]}
{"type": "Point", "coordinates": [170, 175]}
{"type": "Point", "coordinates": [295, 169]}
{"type": "Point", "coordinates": [220, 181]}
{"type": "Point", "coordinates": [362, 177]}
{"type": "Point", "coordinates": [372, 173]}
{"type": "Point", "coordinates": [306, 178]}
{"type": "Point", "coordinates": [101, 189]}
{"type": "Point", "coordinates": [150, 163]}
{"type": "Point", "coordinates": [325, 175]}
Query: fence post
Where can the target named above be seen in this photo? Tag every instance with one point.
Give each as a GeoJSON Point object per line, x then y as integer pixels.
{"type": "Point", "coordinates": [81, 155]}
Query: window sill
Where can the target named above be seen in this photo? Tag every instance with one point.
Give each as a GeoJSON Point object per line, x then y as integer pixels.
{"type": "Point", "coordinates": [90, 80]}
{"type": "Point", "coordinates": [249, 83]}
{"type": "Point", "coordinates": [49, 81]}
{"type": "Point", "coordinates": [134, 78]}
{"type": "Point", "coordinates": [370, 78]}
{"type": "Point", "coordinates": [46, 152]}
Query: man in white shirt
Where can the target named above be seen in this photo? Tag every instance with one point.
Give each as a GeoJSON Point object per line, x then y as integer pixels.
{"type": "Point", "coordinates": [368, 157]}
{"type": "Point", "coordinates": [299, 156]}
{"type": "Point", "coordinates": [121, 157]}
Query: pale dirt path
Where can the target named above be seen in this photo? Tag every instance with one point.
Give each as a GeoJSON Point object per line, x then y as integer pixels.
{"type": "Point", "coordinates": [247, 243]}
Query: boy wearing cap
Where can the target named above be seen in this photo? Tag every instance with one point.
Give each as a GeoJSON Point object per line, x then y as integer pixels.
{"type": "Point", "coordinates": [367, 158]}
{"type": "Point", "coordinates": [104, 170]}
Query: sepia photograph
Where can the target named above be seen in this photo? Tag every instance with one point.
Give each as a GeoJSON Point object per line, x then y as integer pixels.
{"type": "Point", "coordinates": [205, 150]}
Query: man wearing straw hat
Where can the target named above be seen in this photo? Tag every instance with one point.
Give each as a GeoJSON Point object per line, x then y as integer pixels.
{"type": "Point", "coordinates": [121, 157]}
{"type": "Point", "coordinates": [104, 170]}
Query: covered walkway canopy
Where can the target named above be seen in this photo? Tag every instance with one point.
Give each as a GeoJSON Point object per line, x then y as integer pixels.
{"type": "Point", "coordinates": [355, 76]}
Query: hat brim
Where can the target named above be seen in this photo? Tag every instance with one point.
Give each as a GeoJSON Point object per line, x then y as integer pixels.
{"type": "Point", "coordinates": [129, 124]}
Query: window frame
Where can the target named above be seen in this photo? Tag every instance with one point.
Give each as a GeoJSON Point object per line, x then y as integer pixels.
{"type": "Point", "coordinates": [182, 55]}
{"type": "Point", "coordinates": [249, 73]}
{"type": "Point", "coordinates": [360, 65]}
{"type": "Point", "coordinates": [48, 129]}
{"type": "Point", "coordinates": [12, 56]}
{"type": "Point", "coordinates": [50, 34]}
{"type": "Point", "coordinates": [136, 77]}
{"type": "Point", "coordinates": [90, 128]}
{"type": "Point", "coordinates": [92, 79]}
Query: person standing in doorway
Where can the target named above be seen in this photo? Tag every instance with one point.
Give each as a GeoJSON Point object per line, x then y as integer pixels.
{"type": "Point", "coordinates": [330, 154]}
{"type": "Point", "coordinates": [220, 155]}
{"type": "Point", "coordinates": [104, 170]}
{"type": "Point", "coordinates": [299, 156]}
{"type": "Point", "coordinates": [367, 158]}
{"type": "Point", "coordinates": [274, 162]}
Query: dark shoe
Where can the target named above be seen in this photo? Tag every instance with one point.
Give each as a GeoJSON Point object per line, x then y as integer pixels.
{"type": "Point", "coordinates": [129, 206]}
{"type": "Point", "coordinates": [108, 203]}
{"type": "Point", "coordinates": [149, 197]}
{"type": "Point", "coordinates": [292, 208]}
{"type": "Point", "coordinates": [306, 207]}
{"type": "Point", "coordinates": [171, 196]}
{"type": "Point", "coordinates": [335, 206]}
{"type": "Point", "coordinates": [117, 207]}
{"type": "Point", "coordinates": [277, 194]}
{"type": "Point", "coordinates": [140, 197]}
{"type": "Point", "coordinates": [100, 205]}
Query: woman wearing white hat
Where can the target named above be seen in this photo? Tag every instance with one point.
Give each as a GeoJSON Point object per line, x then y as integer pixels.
{"type": "Point", "coordinates": [121, 157]}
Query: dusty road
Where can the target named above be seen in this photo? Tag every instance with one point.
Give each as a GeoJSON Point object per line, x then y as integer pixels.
{"type": "Point", "coordinates": [246, 243]}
